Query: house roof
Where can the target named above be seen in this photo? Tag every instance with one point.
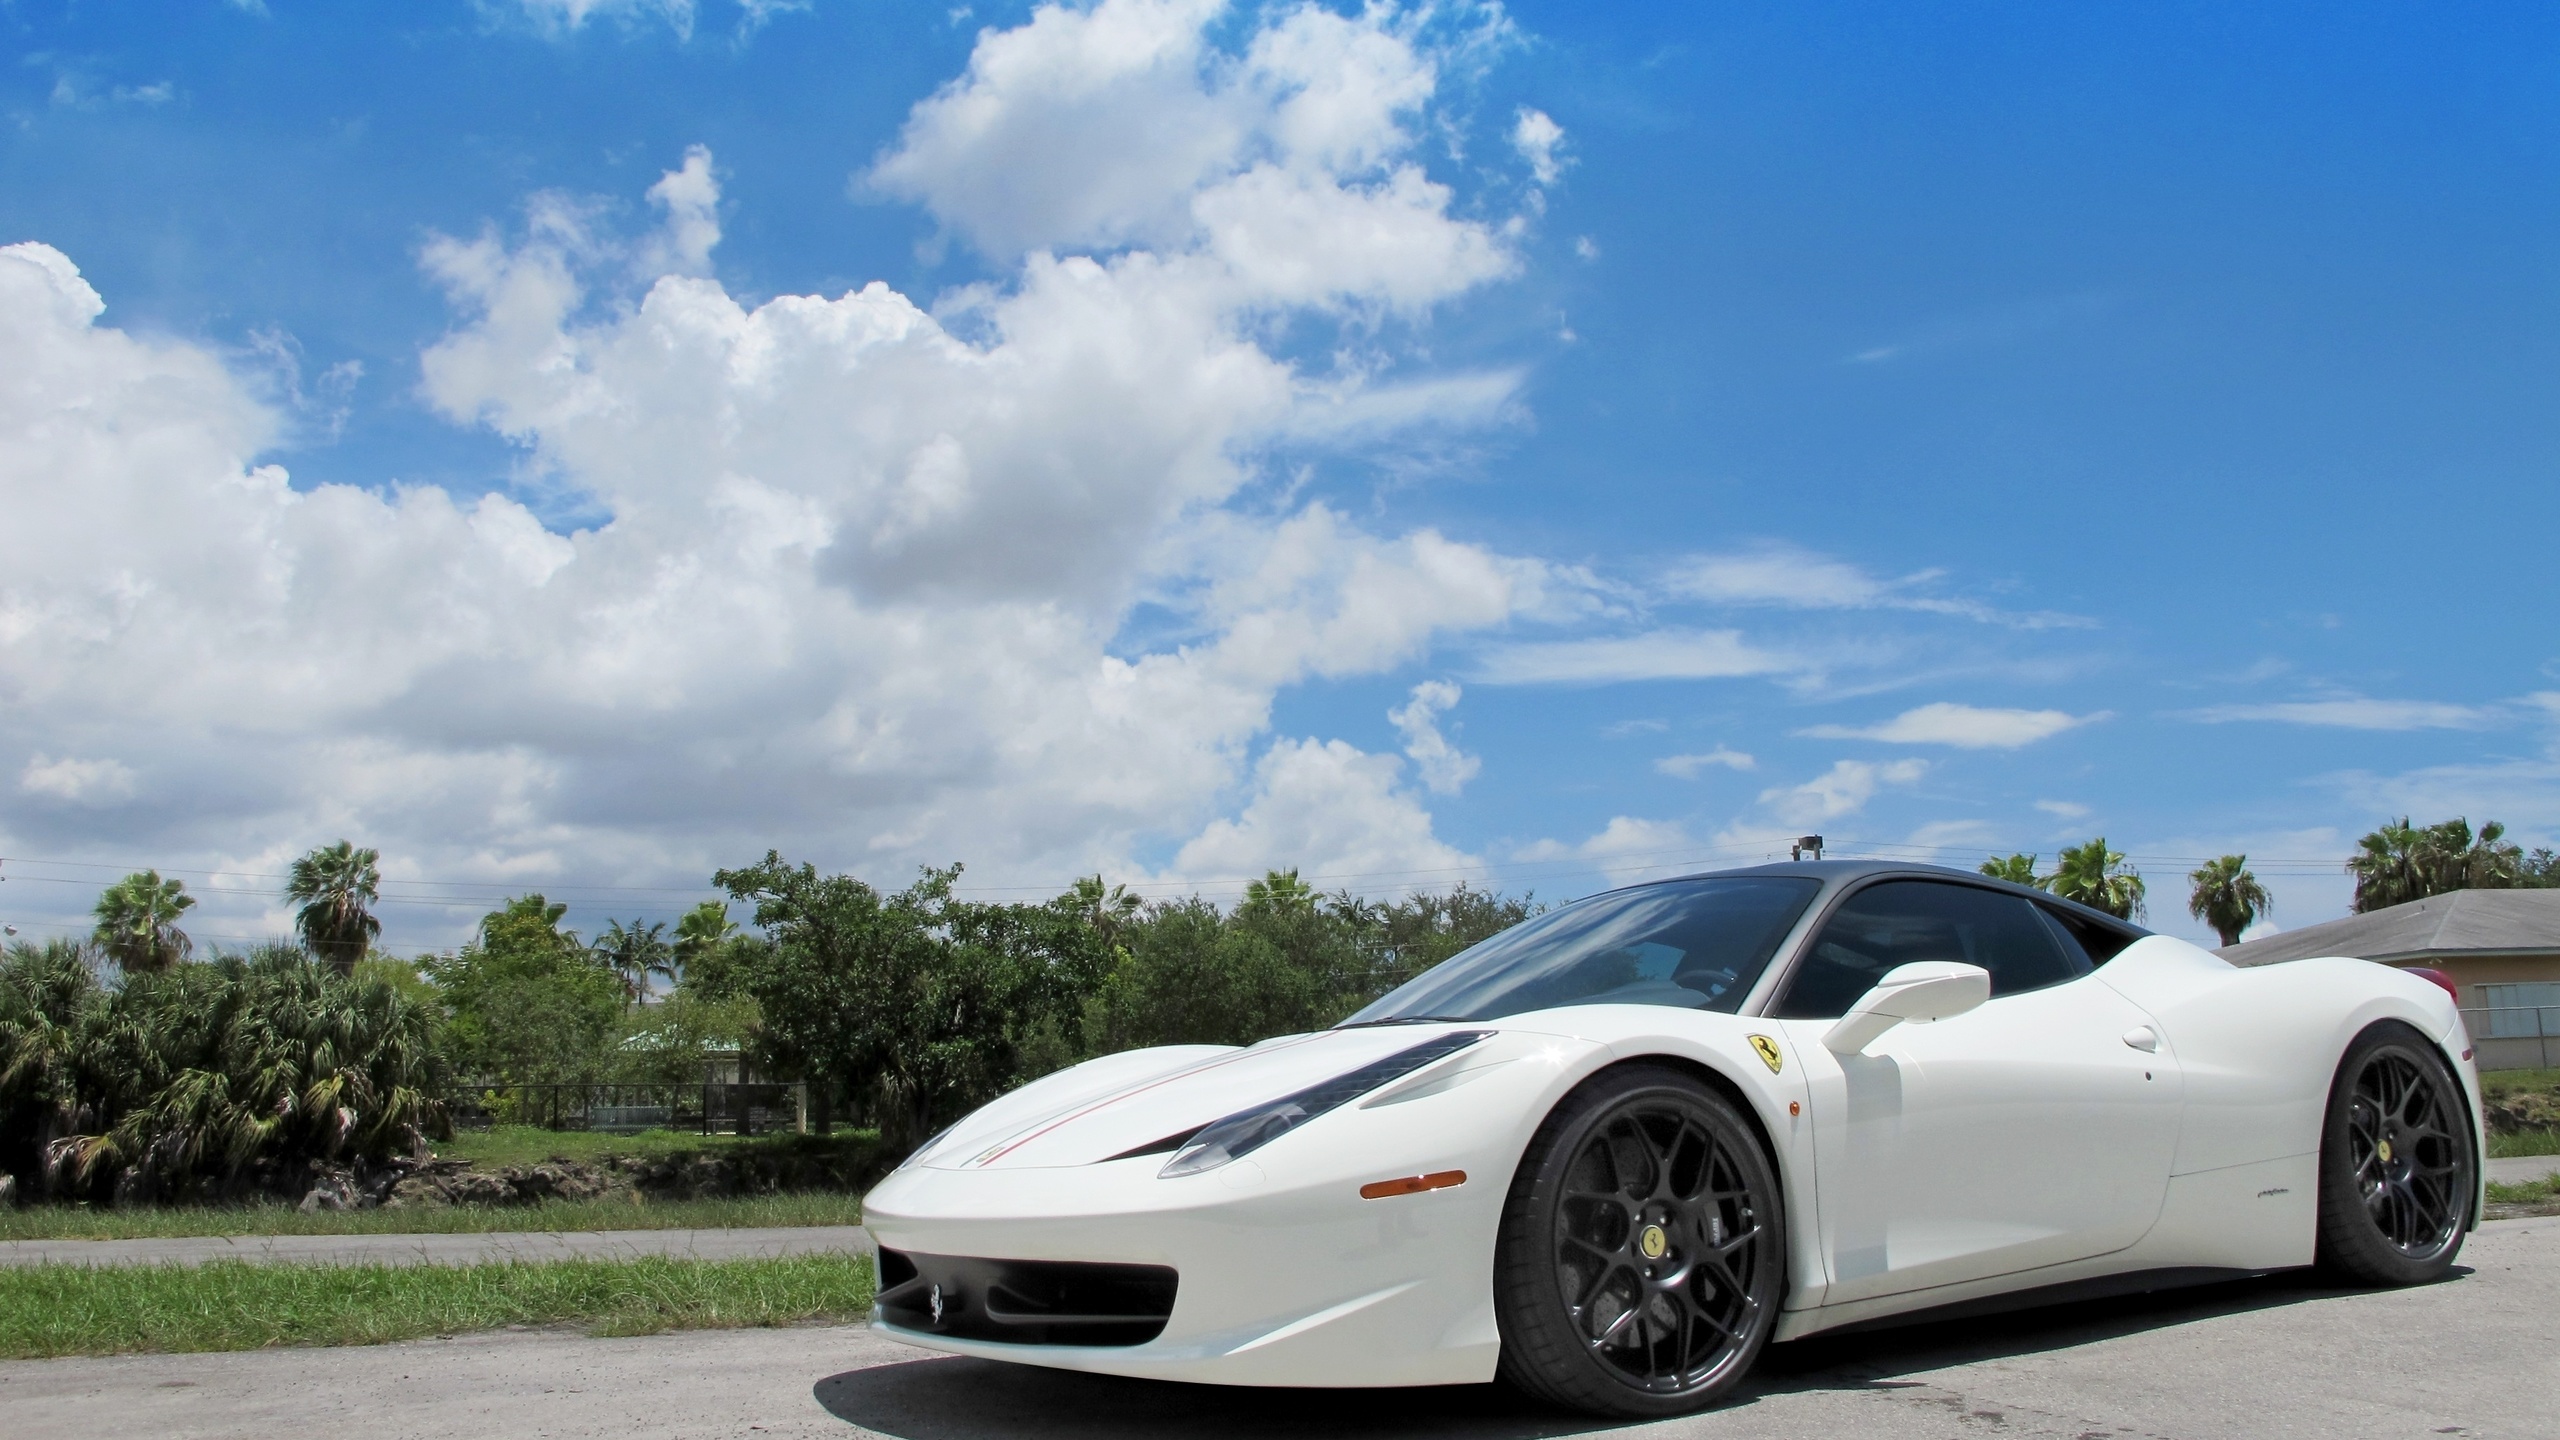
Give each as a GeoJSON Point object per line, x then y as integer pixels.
{"type": "Point", "coordinates": [2464, 922]}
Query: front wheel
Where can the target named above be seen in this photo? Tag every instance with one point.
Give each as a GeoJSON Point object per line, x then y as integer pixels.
{"type": "Point", "coordinates": [2397, 1174]}
{"type": "Point", "coordinates": [1642, 1260]}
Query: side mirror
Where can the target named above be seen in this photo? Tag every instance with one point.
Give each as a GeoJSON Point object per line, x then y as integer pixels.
{"type": "Point", "coordinates": [1918, 994]}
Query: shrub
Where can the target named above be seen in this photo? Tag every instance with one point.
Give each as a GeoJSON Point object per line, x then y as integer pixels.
{"type": "Point", "coordinates": [205, 1078]}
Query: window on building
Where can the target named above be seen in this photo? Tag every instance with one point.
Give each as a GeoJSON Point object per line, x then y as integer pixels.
{"type": "Point", "coordinates": [2520, 1011]}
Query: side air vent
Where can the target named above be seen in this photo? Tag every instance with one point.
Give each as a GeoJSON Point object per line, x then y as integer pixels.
{"type": "Point", "coordinates": [1025, 1302]}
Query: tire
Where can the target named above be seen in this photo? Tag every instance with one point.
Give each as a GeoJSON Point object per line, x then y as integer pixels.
{"type": "Point", "coordinates": [2398, 1170]}
{"type": "Point", "coordinates": [1642, 1258]}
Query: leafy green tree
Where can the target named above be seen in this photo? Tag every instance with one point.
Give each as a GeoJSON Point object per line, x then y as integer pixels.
{"type": "Point", "coordinates": [918, 1003]}
{"type": "Point", "coordinates": [138, 922]}
{"type": "Point", "coordinates": [2539, 870]}
{"type": "Point", "coordinates": [337, 887]}
{"type": "Point", "coordinates": [671, 1043]}
{"type": "Point", "coordinates": [2019, 869]}
{"type": "Point", "coordinates": [1194, 977]}
{"type": "Point", "coordinates": [2227, 897]}
{"type": "Point", "coordinates": [2398, 862]}
{"type": "Point", "coordinates": [529, 1004]}
{"type": "Point", "coordinates": [1413, 934]}
{"type": "Point", "coordinates": [1285, 960]}
{"type": "Point", "coordinates": [636, 953]}
{"type": "Point", "coordinates": [2097, 877]}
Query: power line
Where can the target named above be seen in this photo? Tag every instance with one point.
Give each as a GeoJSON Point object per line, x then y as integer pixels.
{"type": "Point", "coordinates": [1668, 857]}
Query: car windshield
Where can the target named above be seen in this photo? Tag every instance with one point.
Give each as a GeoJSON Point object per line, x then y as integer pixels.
{"type": "Point", "coordinates": [1696, 944]}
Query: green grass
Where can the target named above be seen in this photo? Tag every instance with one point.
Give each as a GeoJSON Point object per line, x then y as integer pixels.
{"type": "Point", "coordinates": [80, 1222]}
{"type": "Point", "coordinates": [234, 1305]}
{"type": "Point", "coordinates": [2523, 1142]}
{"type": "Point", "coordinates": [2496, 1083]}
{"type": "Point", "coordinates": [2544, 1191]}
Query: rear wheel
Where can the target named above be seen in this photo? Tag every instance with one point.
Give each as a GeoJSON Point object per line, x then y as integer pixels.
{"type": "Point", "coordinates": [2397, 1173]}
{"type": "Point", "coordinates": [1643, 1251]}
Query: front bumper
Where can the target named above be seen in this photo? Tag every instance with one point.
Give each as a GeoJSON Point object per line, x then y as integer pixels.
{"type": "Point", "coordinates": [1286, 1276]}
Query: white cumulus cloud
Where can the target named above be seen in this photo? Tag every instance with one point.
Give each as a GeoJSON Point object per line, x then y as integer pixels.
{"type": "Point", "coordinates": [1690, 767]}
{"type": "Point", "coordinates": [1444, 768]}
{"type": "Point", "coordinates": [1628, 848]}
{"type": "Point", "coordinates": [866, 567]}
{"type": "Point", "coordinates": [1540, 141]}
{"type": "Point", "coordinates": [1333, 812]}
{"type": "Point", "coordinates": [1285, 171]}
{"type": "Point", "coordinates": [2357, 712]}
{"type": "Point", "coordinates": [1669, 654]}
{"type": "Point", "coordinates": [81, 781]}
{"type": "Point", "coordinates": [1791, 577]}
{"type": "Point", "coordinates": [1967, 727]}
{"type": "Point", "coordinates": [1844, 789]}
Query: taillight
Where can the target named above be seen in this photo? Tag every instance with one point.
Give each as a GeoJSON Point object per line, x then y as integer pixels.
{"type": "Point", "coordinates": [2442, 981]}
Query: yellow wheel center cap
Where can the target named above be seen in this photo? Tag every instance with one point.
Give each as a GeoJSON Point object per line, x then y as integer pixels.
{"type": "Point", "coordinates": [2384, 1151]}
{"type": "Point", "coordinates": [1653, 1242]}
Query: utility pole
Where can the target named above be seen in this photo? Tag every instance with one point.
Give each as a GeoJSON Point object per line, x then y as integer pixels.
{"type": "Point", "coordinates": [1808, 847]}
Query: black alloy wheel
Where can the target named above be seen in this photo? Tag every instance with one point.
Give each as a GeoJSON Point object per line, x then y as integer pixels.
{"type": "Point", "coordinates": [1642, 1261]}
{"type": "Point", "coordinates": [2397, 1174]}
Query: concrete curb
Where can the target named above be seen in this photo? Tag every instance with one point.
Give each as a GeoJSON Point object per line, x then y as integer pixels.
{"type": "Point", "coordinates": [469, 1249]}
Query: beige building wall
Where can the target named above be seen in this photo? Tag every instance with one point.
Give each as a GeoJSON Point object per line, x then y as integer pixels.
{"type": "Point", "coordinates": [2471, 974]}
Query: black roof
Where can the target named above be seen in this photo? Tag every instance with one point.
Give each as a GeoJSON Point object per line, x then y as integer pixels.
{"type": "Point", "coordinates": [1842, 872]}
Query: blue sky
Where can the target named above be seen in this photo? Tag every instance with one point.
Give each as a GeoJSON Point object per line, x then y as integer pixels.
{"type": "Point", "coordinates": [1952, 431]}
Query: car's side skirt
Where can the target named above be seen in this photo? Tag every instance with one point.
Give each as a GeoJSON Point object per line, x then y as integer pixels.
{"type": "Point", "coordinates": [2096, 1287]}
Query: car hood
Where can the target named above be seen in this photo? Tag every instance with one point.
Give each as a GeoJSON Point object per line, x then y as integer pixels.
{"type": "Point", "coordinates": [1140, 1099]}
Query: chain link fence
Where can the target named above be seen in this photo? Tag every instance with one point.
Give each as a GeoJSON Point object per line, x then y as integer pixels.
{"type": "Point", "coordinates": [2514, 1037]}
{"type": "Point", "coordinates": [755, 1108]}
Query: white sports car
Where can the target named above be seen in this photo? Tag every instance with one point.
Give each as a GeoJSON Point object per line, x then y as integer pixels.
{"type": "Point", "coordinates": [1612, 1152]}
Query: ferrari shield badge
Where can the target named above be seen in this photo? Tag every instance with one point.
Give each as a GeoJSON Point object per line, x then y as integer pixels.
{"type": "Point", "coordinates": [1767, 1050]}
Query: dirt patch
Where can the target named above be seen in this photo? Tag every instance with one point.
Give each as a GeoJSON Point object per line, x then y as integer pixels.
{"type": "Point", "coordinates": [2521, 1111]}
{"type": "Point", "coordinates": [705, 1175]}
{"type": "Point", "coordinates": [791, 1165]}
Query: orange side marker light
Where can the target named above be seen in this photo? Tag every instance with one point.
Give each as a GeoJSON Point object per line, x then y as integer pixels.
{"type": "Point", "coordinates": [1413, 1184]}
{"type": "Point", "coordinates": [1794, 1108]}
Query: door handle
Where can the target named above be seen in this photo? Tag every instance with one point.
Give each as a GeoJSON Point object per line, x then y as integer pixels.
{"type": "Point", "coordinates": [2143, 1038]}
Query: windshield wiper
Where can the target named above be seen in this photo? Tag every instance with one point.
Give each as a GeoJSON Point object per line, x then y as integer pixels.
{"type": "Point", "coordinates": [1406, 1020]}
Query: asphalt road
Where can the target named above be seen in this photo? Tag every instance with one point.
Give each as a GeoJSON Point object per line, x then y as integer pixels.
{"type": "Point", "coordinates": [472, 1249]}
{"type": "Point", "coordinates": [2476, 1356]}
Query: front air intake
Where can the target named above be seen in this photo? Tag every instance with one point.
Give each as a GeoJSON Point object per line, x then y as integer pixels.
{"type": "Point", "coordinates": [1025, 1302]}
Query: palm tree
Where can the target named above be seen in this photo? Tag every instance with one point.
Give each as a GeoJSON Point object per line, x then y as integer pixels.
{"type": "Point", "coordinates": [1108, 910]}
{"type": "Point", "coordinates": [700, 931]}
{"type": "Point", "coordinates": [138, 922]}
{"type": "Point", "coordinates": [2016, 869]}
{"type": "Point", "coordinates": [1281, 891]}
{"type": "Point", "coordinates": [635, 954]}
{"type": "Point", "coordinates": [2227, 897]}
{"type": "Point", "coordinates": [2399, 862]}
{"type": "Point", "coordinates": [2095, 876]}
{"type": "Point", "coordinates": [337, 885]}
{"type": "Point", "coordinates": [2389, 866]}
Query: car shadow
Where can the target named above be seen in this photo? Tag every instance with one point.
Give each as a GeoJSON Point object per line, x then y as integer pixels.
{"type": "Point", "coordinates": [1925, 1342]}
{"type": "Point", "coordinates": [956, 1398]}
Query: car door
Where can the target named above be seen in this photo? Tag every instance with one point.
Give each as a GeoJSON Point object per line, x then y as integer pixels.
{"type": "Point", "coordinates": [2027, 1132]}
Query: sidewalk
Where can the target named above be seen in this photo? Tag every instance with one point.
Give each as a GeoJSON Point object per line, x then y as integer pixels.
{"type": "Point", "coordinates": [534, 1245]}
{"type": "Point", "coordinates": [2517, 1169]}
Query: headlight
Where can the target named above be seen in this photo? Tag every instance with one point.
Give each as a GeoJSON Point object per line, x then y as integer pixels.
{"type": "Point", "coordinates": [1246, 1131]}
